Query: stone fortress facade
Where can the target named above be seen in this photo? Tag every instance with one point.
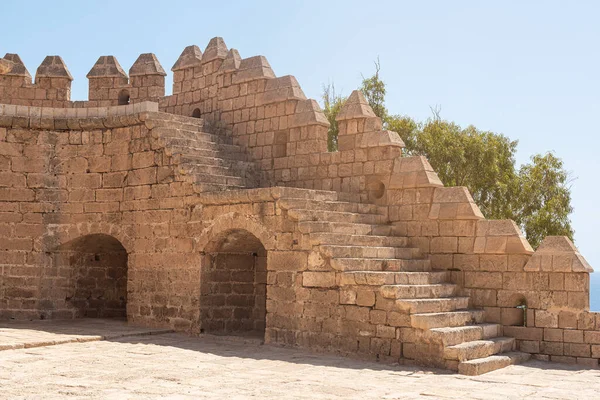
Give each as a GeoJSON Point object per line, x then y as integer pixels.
{"type": "Point", "coordinates": [218, 209]}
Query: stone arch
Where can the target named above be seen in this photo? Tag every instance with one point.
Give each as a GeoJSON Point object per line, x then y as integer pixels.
{"type": "Point", "coordinates": [232, 221]}
{"type": "Point", "coordinates": [88, 278]}
{"type": "Point", "coordinates": [196, 113]}
{"type": "Point", "coordinates": [60, 234]}
{"type": "Point", "coordinates": [233, 285]}
{"type": "Point", "coordinates": [124, 97]}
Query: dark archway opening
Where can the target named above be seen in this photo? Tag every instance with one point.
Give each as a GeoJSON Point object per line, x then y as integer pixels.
{"type": "Point", "coordinates": [124, 97]}
{"type": "Point", "coordinates": [196, 113]}
{"type": "Point", "coordinates": [94, 277]}
{"type": "Point", "coordinates": [234, 285]}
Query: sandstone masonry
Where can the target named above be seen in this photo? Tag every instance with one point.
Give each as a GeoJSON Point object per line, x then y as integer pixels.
{"type": "Point", "coordinates": [218, 209]}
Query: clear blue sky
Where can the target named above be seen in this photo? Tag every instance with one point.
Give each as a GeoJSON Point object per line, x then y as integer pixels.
{"type": "Point", "coordinates": [527, 69]}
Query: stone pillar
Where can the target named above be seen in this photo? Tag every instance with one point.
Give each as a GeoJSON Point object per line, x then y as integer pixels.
{"type": "Point", "coordinates": [54, 77]}
{"type": "Point", "coordinates": [147, 79]}
{"type": "Point", "coordinates": [207, 78]}
{"type": "Point", "coordinates": [108, 83]}
{"type": "Point", "coordinates": [188, 65]}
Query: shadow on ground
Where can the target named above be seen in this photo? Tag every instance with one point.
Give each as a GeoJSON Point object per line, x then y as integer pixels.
{"type": "Point", "coordinates": [29, 334]}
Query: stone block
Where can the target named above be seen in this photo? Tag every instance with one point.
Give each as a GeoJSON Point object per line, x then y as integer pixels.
{"type": "Point", "coordinates": [321, 279]}
{"type": "Point", "coordinates": [546, 319]}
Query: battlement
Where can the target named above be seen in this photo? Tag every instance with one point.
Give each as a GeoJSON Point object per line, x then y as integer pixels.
{"type": "Point", "coordinates": [110, 85]}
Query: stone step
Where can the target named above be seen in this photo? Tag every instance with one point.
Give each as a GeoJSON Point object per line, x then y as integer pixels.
{"type": "Point", "coordinates": [179, 118]}
{"type": "Point", "coordinates": [156, 123]}
{"type": "Point", "coordinates": [450, 336]}
{"type": "Point", "coordinates": [491, 363]}
{"type": "Point", "coordinates": [378, 278]}
{"type": "Point", "coordinates": [236, 165]}
{"type": "Point", "coordinates": [446, 319]}
{"type": "Point", "coordinates": [174, 133]}
{"type": "Point", "coordinates": [337, 251]}
{"type": "Point", "coordinates": [479, 349]}
{"type": "Point", "coordinates": [214, 187]}
{"type": "Point", "coordinates": [358, 240]}
{"type": "Point", "coordinates": [334, 227]}
{"type": "Point", "coordinates": [339, 206]}
{"type": "Point", "coordinates": [199, 144]}
{"type": "Point", "coordinates": [319, 195]}
{"type": "Point", "coordinates": [220, 179]}
{"type": "Point", "coordinates": [202, 152]}
{"type": "Point", "coordinates": [418, 306]}
{"type": "Point", "coordinates": [222, 171]}
{"type": "Point", "coordinates": [429, 291]}
{"type": "Point", "coordinates": [207, 169]}
{"type": "Point", "coordinates": [380, 264]}
{"type": "Point", "coordinates": [298, 214]}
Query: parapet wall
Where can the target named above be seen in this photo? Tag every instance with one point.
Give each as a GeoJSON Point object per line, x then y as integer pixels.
{"type": "Point", "coordinates": [109, 85]}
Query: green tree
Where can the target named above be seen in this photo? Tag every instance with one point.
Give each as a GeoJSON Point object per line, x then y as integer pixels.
{"type": "Point", "coordinates": [373, 88]}
{"type": "Point", "coordinates": [482, 161]}
{"type": "Point", "coordinates": [407, 128]}
{"type": "Point", "coordinates": [332, 103]}
{"type": "Point", "coordinates": [536, 196]}
{"type": "Point", "coordinates": [544, 199]}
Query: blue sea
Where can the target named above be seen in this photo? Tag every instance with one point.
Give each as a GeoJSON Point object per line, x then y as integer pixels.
{"type": "Point", "coordinates": [595, 292]}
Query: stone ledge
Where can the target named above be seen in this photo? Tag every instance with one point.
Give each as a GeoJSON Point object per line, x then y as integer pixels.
{"type": "Point", "coordinates": [74, 118]}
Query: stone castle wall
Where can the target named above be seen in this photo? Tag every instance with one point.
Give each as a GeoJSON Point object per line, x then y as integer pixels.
{"type": "Point", "coordinates": [73, 170]}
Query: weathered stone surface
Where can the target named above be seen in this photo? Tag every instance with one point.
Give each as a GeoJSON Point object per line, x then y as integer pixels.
{"type": "Point", "coordinates": [53, 67]}
{"type": "Point", "coordinates": [5, 66]}
{"type": "Point", "coordinates": [107, 67]}
{"type": "Point", "coordinates": [147, 64]}
{"type": "Point", "coordinates": [253, 68]}
{"type": "Point", "coordinates": [189, 58]}
{"type": "Point", "coordinates": [356, 106]}
{"type": "Point", "coordinates": [232, 62]}
{"type": "Point", "coordinates": [17, 68]}
{"type": "Point", "coordinates": [559, 254]}
{"type": "Point", "coordinates": [216, 49]}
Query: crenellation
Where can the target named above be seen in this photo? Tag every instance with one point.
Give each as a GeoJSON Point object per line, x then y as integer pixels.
{"type": "Point", "coordinates": [17, 68]}
{"type": "Point", "coordinates": [191, 57]}
{"type": "Point", "coordinates": [215, 50]}
{"type": "Point", "coordinates": [231, 63]}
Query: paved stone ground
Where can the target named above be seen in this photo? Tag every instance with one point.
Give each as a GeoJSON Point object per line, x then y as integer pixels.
{"type": "Point", "coordinates": [176, 366]}
{"type": "Point", "coordinates": [26, 334]}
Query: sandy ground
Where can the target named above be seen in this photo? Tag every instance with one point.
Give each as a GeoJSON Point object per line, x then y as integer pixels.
{"type": "Point", "coordinates": [150, 364]}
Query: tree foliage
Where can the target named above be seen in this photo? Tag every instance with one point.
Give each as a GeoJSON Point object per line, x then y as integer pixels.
{"type": "Point", "coordinates": [537, 195]}
{"type": "Point", "coordinates": [332, 103]}
{"type": "Point", "coordinates": [482, 161]}
{"type": "Point", "coordinates": [544, 198]}
{"type": "Point", "coordinates": [373, 88]}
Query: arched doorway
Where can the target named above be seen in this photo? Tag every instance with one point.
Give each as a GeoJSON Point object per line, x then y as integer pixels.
{"type": "Point", "coordinates": [196, 113]}
{"type": "Point", "coordinates": [94, 268]}
{"type": "Point", "coordinates": [233, 285]}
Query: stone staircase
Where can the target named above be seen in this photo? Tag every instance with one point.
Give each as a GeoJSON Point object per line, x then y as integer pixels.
{"type": "Point", "coordinates": [381, 270]}
{"type": "Point", "coordinates": [354, 237]}
{"type": "Point", "coordinates": [213, 162]}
